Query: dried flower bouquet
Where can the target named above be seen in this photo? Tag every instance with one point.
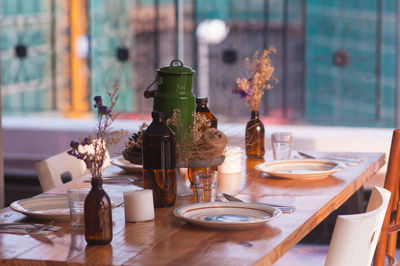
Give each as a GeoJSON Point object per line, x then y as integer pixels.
{"type": "Point", "coordinates": [93, 149]}
{"type": "Point", "coordinates": [197, 144]}
{"type": "Point", "coordinates": [259, 78]}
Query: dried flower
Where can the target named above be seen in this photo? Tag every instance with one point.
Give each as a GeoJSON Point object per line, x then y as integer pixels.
{"type": "Point", "coordinates": [93, 150]}
{"type": "Point", "coordinates": [197, 143]}
{"type": "Point", "coordinates": [259, 72]}
{"type": "Point", "coordinates": [98, 101]}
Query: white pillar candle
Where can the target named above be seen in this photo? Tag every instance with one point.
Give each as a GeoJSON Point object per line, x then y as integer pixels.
{"type": "Point", "coordinates": [233, 161]}
{"type": "Point", "coordinates": [138, 205]}
{"type": "Point", "coordinates": [229, 183]}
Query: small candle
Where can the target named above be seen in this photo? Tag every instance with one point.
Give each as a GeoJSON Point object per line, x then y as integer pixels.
{"type": "Point", "coordinates": [229, 183]}
{"type": "Point", "coordinates": [139, 205]}
{"type": "Point", "coordinates": [233, 161]}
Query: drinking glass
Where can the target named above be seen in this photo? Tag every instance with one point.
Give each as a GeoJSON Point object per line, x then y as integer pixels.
{"type": "Point", "coordinates": [206, 185]}
{"type": "Point", "coordinates": [76, 201]}
{"type": "Point", "coordinates": [281, 145]}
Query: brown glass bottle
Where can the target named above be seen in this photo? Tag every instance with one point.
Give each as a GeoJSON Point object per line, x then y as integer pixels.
{"type": "Point", "coordinates": [255, 137]}
{"type": "Point", "coordinates": [98, 217]}
{"type": "Point", "coordinates": [202, 108]}
{"type": "Point", "coordinates": [159, 171]}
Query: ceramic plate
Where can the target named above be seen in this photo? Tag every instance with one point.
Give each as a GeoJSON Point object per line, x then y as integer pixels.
{"type": "Point", "coordinates": [227, 215]}
{"type": "Point", "coordinates": [45, 207]}
{"type": "Point", "coordinates": [300, 169]}
{"type": "Point", "coordinates": [126, 165]}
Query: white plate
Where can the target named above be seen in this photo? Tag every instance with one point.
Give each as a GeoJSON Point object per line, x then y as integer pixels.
{"type": "Point", "coordinates": [126, 165]}
{"type": "Point", "coordinates": [227, 215]}
{"type": "Point", "coordinates": [45, 207]}
{"type": "Point", "coordinates": [300, 169]}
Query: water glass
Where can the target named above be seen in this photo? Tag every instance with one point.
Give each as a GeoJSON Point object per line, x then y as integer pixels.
{"type": "Point", "coordinates": [281, 145]}
{"type": "Point", "coordinates": [76, 202]}
{"type": "Point", "coordinates": [206, 185]}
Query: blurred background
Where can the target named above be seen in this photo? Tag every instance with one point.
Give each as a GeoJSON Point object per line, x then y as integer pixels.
{"type": "Point", "coordinates": [336, 62]}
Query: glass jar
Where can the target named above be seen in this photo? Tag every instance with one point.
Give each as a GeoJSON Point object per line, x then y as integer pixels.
{"type": "Point", "coordinates": [255, 137]}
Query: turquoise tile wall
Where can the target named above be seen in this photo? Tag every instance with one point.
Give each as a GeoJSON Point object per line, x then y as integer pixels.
{"type": "Point", "coordinates": [349, 95]}
{"type": "Point", "coordinates": [25, 54]}
{"type": "Point", "coordinates": [111, 30]}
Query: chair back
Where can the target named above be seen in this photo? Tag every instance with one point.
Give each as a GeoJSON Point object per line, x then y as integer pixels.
{"type": "Point", "coordinates": [355, 236]}
{"type": "Point", "coordinates": [387, 241]}
{"type": "Point", "coordinates": [50, 170]}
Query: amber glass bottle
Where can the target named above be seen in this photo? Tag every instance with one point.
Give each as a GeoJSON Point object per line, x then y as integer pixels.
{"type": "Point", "coordinates": [202, 108]}
{"type": "Point", "coordinates": [97, 212]}
{"type": "Point", "coordinates": [159, 171]}
{"type": "Point", "coordinates": [255, 137]}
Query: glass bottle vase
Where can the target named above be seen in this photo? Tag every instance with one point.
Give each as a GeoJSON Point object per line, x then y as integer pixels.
{"type": "Point", "coordinates": [255, 137]}
{"type": "Point", "coordinates": [159, 163]}
{"type": "Point", "coordinates": [98, 217]}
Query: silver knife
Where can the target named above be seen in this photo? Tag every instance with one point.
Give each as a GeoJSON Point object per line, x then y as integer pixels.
{"type": "Point", "coordinates": [333, 158]}
{"type": "Point", "coordinates": [283, 208]}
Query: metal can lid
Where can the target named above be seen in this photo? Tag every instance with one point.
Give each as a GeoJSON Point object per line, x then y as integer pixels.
{"type": "Point", "coordinates": [177, 68]}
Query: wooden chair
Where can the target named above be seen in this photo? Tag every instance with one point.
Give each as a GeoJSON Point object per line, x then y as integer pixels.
{"type": "Point", "coordinates": [354, 237]}
{"type": "Point", "coordinates": [387, 242]}
{"type": "Point", "coordinates": [50, 170]}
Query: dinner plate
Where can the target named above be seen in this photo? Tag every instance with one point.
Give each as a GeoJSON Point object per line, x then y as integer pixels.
{"type": "Point", "coordinates": [300, 169]}
{"type": "Point", "coordinates": [45, 207]}
{"type": "Point", "coordinates": [126, 165]}
{"type": "Point", "coordinates": [227, 215]}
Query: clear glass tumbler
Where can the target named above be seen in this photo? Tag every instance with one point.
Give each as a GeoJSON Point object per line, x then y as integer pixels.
{"type": "Point", "coordinates": [281, 145]}
{"type": "Point", "coordinates": [76, 201]}
{"type": "Point", "coordinates": [206, 185]}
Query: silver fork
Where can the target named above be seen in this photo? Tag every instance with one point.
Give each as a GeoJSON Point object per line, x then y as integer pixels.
{"type": "Point", "coordinates": [28, 228]}
{"type": "Point", "coordinates": [39, 228]}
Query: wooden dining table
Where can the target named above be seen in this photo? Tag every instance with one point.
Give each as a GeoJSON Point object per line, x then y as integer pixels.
{"type": "Point", "coordinates": [167, 240]}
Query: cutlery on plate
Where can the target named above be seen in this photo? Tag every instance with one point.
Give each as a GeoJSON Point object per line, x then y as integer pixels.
{"type": "Point", "coordinates": [117, 180]}
{"type": "Point", "coordinates": [283, 208]}
{"type": "Point", "coordinates": [333, 158]}
{"type": "Point", "coordinates": [28, 228]}
{"type": "Point", "coordinates": [119, 176]}
{"type": "Point", "coordinates": [39, 228]}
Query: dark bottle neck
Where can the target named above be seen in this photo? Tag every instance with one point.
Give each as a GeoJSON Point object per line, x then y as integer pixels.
{"type": "Point", "coordinates": [254, 115]}
{"type": "Point", "coordinates": [157, 120]}
{"type": "Point", "coordinates": [202, 108]}
{"type": "Point", "coordinates": [97, 183]}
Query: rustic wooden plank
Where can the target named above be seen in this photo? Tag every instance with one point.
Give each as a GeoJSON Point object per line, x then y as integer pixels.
{"type": "Point", "coordinates": [167, 240]}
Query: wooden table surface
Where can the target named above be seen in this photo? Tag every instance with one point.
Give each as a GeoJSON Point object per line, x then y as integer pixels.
{"type": "Point", "coordinates": [169, 241]}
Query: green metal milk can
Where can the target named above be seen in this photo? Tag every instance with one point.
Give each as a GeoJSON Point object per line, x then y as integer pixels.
{"type": "Point", "coordinates": [174, 91]}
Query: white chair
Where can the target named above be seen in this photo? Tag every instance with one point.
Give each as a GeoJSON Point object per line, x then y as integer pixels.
{"type": "Point", "coordinates": [50, 170]}
{"type": "Point", "coordinates": [354, 237]}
